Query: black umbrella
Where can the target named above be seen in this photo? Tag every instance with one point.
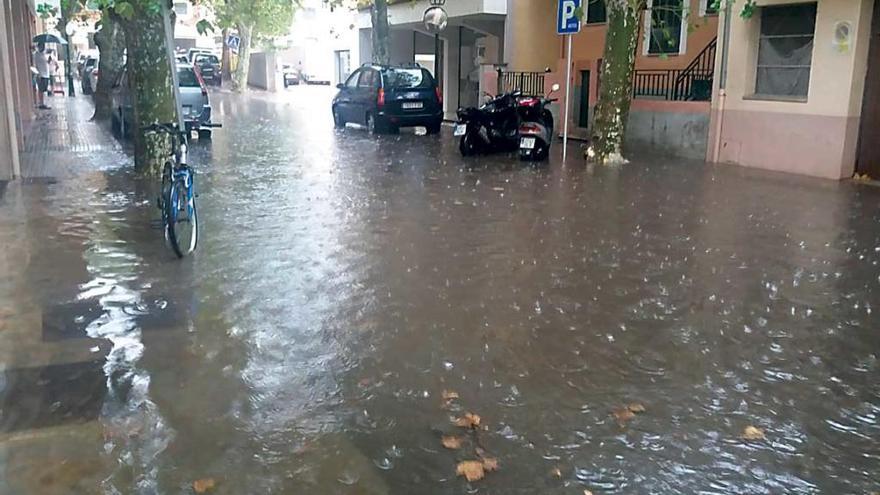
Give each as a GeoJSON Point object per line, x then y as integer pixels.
{"type": "Point", "coordinates": [49, 38]}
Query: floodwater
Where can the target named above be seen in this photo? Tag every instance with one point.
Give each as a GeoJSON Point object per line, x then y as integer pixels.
{"type": "Point", "coordinates": [343, 282]}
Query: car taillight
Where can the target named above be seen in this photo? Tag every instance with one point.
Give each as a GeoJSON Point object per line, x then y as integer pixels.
{"type": "Point", "coordinates": [529, 129]}
{"type": "Point", "coordinates": [381, 99]}
{"type": "Point", "coordinates": [439, 95]}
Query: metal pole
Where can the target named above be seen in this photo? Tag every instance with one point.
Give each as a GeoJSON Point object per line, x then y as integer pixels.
{"type": "Point", "coordinates": [437, 59]}
{"type": "Point", "coordinates": [567, 97]}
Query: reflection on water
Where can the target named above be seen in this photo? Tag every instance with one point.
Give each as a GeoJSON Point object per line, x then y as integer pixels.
{"type": "Point", "coordinates": [342, 283]}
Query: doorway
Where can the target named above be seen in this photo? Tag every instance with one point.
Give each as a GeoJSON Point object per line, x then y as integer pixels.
{"type": "Point", "coordinates": [343, 65]}
{"type": "Point", "coordinates": [868, 157]}
{"type": "Point", "coordinates": [584, 100]}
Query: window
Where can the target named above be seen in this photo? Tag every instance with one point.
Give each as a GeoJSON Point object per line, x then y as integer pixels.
{"type": "Point", "coordinates": [367, 79]}
{"type": "Point", "coordinates": [709, 7]}
{"type": "Point", "coordinates": [186, 77]}
{"type": "Point", "coordinates": [596, 12]}
{"type": "Point", "coordinates": [408, 79]}
{"type": "Point", "coordinates": [665, 33]}
{"type": "Point", "coordinates": [353, 80]}
{"type": "Point", "coordinates": [785, 50]}
{"type": "Point", "coordinates": [181, 8]}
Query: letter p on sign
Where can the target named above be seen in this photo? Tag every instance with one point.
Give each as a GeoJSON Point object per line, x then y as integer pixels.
{"type": "Point", "coordinates": [567, 21]}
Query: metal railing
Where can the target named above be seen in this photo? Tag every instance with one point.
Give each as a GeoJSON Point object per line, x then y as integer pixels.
{"type": "Point", "coordinates": [693, 83]}
{"type": "Point", "coordinates": [530, 83]}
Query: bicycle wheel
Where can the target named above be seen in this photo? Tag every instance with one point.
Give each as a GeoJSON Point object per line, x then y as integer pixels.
{"type": "Point", "coordinates": [182, 221]}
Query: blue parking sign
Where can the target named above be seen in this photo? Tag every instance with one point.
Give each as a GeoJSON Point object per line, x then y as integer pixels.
{"type": "Point", "coordinates": [567, 20]}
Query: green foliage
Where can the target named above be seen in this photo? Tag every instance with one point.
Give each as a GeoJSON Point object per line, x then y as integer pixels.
{"type": "Point", "coordinates": [267, 18]}
{"type": "Point", "coordinates": [204, 27]}
{"type": "Point", "coordinates": [124, 10]}
{"type": "Point", "coordinates": [46, 11]}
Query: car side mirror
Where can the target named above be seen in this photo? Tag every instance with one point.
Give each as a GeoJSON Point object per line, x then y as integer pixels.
{"type": "Point", "coordinates": [340, 86]}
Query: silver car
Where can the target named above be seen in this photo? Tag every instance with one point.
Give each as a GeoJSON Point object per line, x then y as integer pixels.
{"type": "Point", "coordinates": [193, 97]}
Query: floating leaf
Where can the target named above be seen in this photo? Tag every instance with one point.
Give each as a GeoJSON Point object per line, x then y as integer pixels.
{"type": "Point", "coordinates": [472, 470]}
{"type": "Point", "coordinates": [204, 485]}
{"type": "Point", "coordinates": [451, 442]}
{"type": "Point", "coordinates": [450, 395]}
{"type": "Point", "coordinates": [636, 407]}
{"type": "Point", "coordinates": [753, 433]}
{"type": "Point", "coordinates": [587, 492]}
{"type": "Point", "coordinates": [490, 464]}
{"type": "Point", "coordinates": [469, 420]}
{"type": "Point", "coordinates": [628, 412]}
{"type": "Point", "coordinates": [556, 472]}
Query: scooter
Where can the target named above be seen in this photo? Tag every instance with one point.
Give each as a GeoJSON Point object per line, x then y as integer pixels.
{"type": "Point", "coordinates": [494, 126]}
{"type": "Point", "coordinates": [536, 127]}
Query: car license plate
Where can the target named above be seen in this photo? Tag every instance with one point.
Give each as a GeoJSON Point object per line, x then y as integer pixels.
{"type": "Point", "coordinates": [412, 105]}
{"type": "Point", "coordinates": [527, 143]}
{"type": "Point", "coordinates": [460, 130]}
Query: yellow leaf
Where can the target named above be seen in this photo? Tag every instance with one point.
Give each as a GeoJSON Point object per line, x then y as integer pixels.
{"type": "Point", "coordinates": [753, 433]}
{"type": "Point", "coordinates": [623, 415]}
{"type": "Point", "coordinates": [588, 492]}
{"type": "Point", "coordinates": [556, 472]}
{"type": "Point", "coordinates": [490, 464]}
{"type": "Point", "coordinates": [472, 470]}
{"type": "Point", "coordinates": [469, 420]}
{"type": "Point", "coordinates": [203, 485]}
{"type": "Point", "coordinates": [451, 442]}
{"type": "Point", "coordinates": [449, 395]}
{"type": "Point", "coordinates": [636, 407]}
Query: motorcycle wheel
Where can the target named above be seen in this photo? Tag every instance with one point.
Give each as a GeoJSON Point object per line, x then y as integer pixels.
{"type": "Point", "coordinates": [467, 145]}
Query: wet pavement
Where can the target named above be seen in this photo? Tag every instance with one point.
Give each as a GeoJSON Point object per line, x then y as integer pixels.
{"type": "Point", "coordinates": [343, 282]}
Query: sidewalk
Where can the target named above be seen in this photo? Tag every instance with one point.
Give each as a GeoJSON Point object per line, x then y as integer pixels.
{"type": "Point", "coordinates": [62, 140]}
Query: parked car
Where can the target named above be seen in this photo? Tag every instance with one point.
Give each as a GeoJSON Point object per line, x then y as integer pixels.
{"type": "Point", "coordinates": [385, 98]}
{"type": "Point", "coordinates": [290, 75]}
{"type": "Point", "coordinates": [191, 54]}
{"type": "Point", "coordinates": [209, 67]}
{"type": "Point", "coordinates": [193, 101]}
{"type": "Point", "coordinates": [90, 64]}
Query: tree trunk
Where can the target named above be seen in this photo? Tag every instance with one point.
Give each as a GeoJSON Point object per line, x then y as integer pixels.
{"type": "Point", "coordinates": [225, 61]}
{"type": "Point", "coordinates": [151, 87]}
{"type": "Point", "coordinates": [615, 90]}
{"type": "Point", "coordinates": [240, 78]}
{"type": "Point", "coordinates": [109, 40]}
{"type": "Point", "coordinates": [380, 34]}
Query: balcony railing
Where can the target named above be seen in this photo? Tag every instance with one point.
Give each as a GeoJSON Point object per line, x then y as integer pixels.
{"type": "Point", "coordinates": [530, 83]}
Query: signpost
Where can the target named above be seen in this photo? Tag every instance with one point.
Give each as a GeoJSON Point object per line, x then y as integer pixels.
{"type": "Point", "coordinates": [568, 22]}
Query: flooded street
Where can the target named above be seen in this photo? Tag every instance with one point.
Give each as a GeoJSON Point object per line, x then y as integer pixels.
{"type": "Point", "coordinates": [343, 282]}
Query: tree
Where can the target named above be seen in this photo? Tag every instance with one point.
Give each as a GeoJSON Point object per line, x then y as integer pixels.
{"type": "Point", "coordinates": [110, 42]}
{"type": "Point", "coordinates": [150, 80]}
{"type": "Point", "coordinates": [255, 20]}
{"type": "Point", "coordinates": [380, 32]}
{"type": "Point", "coordinates": [612, 109]}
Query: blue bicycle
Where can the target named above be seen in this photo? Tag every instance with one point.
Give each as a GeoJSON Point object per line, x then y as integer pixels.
{"type": "Point", "coordinates": [177, 199]}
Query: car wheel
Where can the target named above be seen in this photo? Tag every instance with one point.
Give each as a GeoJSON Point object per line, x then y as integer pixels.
{"type": "Point", "coordinates": [434, 127]}
{"type": "Point", "coordinates": [338, 121]}
{"type": "Point", "coordinates": [372, 126]}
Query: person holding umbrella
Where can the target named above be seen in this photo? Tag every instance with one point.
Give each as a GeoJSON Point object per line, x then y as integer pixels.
{"type": "Point", "coordinates": [41, 64]}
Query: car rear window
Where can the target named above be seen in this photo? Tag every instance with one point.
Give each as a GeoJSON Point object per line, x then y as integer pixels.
{"type": "Point", "coordinates": [408, 78]}
{"type": "Point", "coordinates": [187, 78]}
{"type": "Point", "coordinates": [211, 59]}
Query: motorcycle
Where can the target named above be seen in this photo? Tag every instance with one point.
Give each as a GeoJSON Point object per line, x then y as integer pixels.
{"type": "Point", "coordinates": [536, 126]}
{"type": "Point", "coordinates": [494, 126]}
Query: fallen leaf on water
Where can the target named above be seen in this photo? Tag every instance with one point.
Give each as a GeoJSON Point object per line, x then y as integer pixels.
{"type": "Point", "coordinates": [203, 485]}
{"type": "Point", "coordinates": [556, 472]}
{"type": "Point", "coordinates": [588, 492]}
{"type": "Point", "coordinates": [490, 464]}
{"type": "Point", "coordinates": [449, 394]}
{"type": "Point", "coordinates": [451, 442]}
{"type": "Point", "coordinates": [753, 433]}
{"type": "Point", "coordinates": [469, 420]}
{"type": "Point", "coordinates": [472, 470]}
{"type": "Point", "coordinates": [365, 382]}
{"type": "Point", "coordinates": [636, 407]}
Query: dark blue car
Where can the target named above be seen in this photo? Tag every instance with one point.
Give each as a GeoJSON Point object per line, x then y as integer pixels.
{"type": "Point", "coordinates": [386, 98]}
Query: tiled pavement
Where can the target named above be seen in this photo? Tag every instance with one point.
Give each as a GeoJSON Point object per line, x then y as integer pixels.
{"type": "Point", "coordinates": [52, 382]}
{"type": "Point", "coordinates": [62, 138]}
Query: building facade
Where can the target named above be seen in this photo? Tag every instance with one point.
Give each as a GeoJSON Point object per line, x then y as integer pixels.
{"type": "Point", "coordinates": [18, 23]}
{"type": "Point", "coordinates": [791, 94]}
{"type": "Point", "coordinates": [474, 39]}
